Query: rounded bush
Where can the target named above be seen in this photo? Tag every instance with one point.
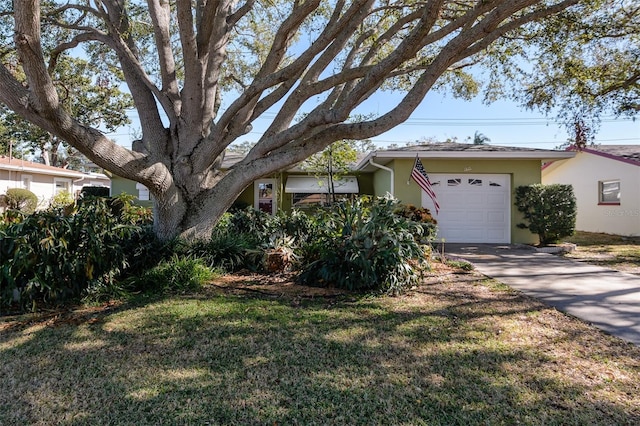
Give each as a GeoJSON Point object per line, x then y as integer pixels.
{"type": "Point", "coordinates": [21, 199]}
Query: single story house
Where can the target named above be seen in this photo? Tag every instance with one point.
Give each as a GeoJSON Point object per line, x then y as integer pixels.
{"type": "Point", "coordinates": [285, 190]}
{"type": "Point", "coordinates": [473, 184]}
{"type": "Point", "coordinates": [606, 183]}
{"type": "Point", "coordinates": [45, 181]}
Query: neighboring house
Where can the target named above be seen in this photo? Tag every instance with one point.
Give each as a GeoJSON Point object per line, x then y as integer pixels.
{"type": "Point", "coordinates": [45, 181]}
{"type": "Point", "coordinates": [474, 186]}
{"type": "Point", "coordinates": [606, 183]}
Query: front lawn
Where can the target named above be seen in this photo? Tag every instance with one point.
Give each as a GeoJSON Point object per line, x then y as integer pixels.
{"type": "Point", "coordinates": [611, 251]}
{"type": "Point", "coordinates": [455, 350]}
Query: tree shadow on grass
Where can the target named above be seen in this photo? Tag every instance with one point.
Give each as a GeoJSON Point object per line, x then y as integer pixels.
{"type": "Point", "coordinates": [446, 354]}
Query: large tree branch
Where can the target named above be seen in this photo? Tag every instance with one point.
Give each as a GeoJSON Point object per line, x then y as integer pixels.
{"type": "Point", "coordinates": [160, 12]}
{"type": "Point", "coordinates": [43, 95]}
{"type": "Point", "coordinates": [143, 90]}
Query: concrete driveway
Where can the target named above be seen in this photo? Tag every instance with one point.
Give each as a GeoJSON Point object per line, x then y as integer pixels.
{"type": "Point", "coordinates": [605, 298]}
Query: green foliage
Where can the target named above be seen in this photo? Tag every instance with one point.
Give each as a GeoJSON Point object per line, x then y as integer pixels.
{"type": "Point", "coordinates": [242, 239]}
{"type": "Point", "coordinates": [549, 209]}
{"type": "Point", "coordinates": [227, 250]}
{"type": "Point", "coordinates": [61, 200]}
{"type": "Point", "coordinates": [91, 99]}
{"type": "Point", "coordinates": [332, 163]}
{"type": "Point", "coordinates": [422, 216]}
{"type": "Point", "coordinates": [366, 246]}
{"type": "Point", "coordinates": [53, 258]}
{"type": "Point", "coordinates": [22, 200]}
{"type": "Point", "coordinates": [123, 207]}
{"type": "Point", "coordinates": [175, 275]}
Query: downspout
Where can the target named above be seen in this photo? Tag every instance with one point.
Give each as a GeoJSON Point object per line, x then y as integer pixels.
{"type": "Point", "coordinates": [380, 166]}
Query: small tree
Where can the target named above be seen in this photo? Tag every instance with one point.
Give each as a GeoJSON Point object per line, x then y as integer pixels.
{"type": "Point", "coordinates": [21, 199]}
{"type": "Point", "coordinates": [333, 163]}
{"type": "Point", "coordinates": [549, 209]}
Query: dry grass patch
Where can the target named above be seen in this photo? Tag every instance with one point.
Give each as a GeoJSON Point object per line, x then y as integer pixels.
{"type": "Point", "coordinates": [456, 350]}
{"type": "Point", "coordinates": [611, 251]}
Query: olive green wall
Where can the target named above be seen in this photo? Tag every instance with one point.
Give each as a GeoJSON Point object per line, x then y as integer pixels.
{"type": "Point", "coordinates": [523, 172]}
{"type": "Point", "coordinates": [365, 183]}
{"type": "Point", "coordinates": [381, 182]}
{"type": "Point", "coordinates": [120, 185]}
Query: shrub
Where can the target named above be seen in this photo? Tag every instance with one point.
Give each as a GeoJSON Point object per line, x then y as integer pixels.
{"type": "Point", "coordinates": [62, 200]}
{"type": "Point", "coordinates": [227, 250]}
{"type": "Point", "coordinates": [421, 216]}
{"type": "Point", "coordinates": [549, 209]}
{"type": "Point", "coordinates": [55, 258]}
{"type": "Point", "coordinates": [122, 206]}
{"type": "Point", "coordinates": [366, 246]}
{"type": "Point", "coordinates": [175, 275]}
{"type": "Point", "coordinates": [94, 191]}
{"type": "Point", "coordinates": [254, 224]}
{"type": "Point", "coordinates": [22, 200]}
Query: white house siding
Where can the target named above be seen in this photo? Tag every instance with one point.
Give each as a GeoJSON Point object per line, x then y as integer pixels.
{"type": "Point", "coordinates": [584, 171]}
{"type": "Point", "coordinates": [41, 179]}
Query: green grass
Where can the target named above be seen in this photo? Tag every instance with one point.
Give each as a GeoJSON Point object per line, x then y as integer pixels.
{"type": "Point", "coordinates": [451, 353]}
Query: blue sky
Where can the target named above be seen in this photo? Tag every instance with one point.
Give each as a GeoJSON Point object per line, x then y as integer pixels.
{"type": "Point", "coordinates": [504, 122]}
{"type": "Point", "coordinates": [441, 117]}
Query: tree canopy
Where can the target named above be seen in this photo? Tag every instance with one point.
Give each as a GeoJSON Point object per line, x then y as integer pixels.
{"type": "Point", "coordinates": [200, 73]}
{"type": "Point", "coordinates": [580, 64]}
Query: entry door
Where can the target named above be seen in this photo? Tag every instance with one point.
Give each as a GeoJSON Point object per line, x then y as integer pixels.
{"type": "Point", "coordinates": [265, 195]}
{"type": "Point", "coordinates": [474, 208]}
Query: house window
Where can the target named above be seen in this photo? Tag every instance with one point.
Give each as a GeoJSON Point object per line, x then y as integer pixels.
{"type": "Point", "coordinates": [26, 182]}
{"type": "Point", "coordinates": [265, 198]}
{"type": "Point", "coordinates": [143, 192]}
{"type": "Point", "coordinates": [62, 185]}
{"type": "Point", "coordinates": [308, 201]}
{"type": "Point", "coordinates": [609, 192]}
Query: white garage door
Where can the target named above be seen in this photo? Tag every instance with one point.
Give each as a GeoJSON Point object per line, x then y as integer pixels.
{"type": "Point", "coordinates": [473, 208]}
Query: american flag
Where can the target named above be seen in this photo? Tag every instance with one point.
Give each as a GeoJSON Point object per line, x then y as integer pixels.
{"type": "Point", "coordinates": [419, 174]}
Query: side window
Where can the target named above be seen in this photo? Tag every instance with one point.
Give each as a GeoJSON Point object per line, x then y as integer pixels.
{"type": "Point", "coordinates": [62, 185]}
{"type": "Point", "coordinates": [26, 182]}
{"type": "Point", "coordinates": [143, 192]}
{"type": "Point", "coordinates": [609, 192]}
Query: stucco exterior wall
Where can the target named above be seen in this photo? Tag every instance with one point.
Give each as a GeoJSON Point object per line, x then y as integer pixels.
{"type": "Point", "coordinates": [583, 172]}
{"type": "Point", "coordinates": [120, 185]}
{"type": "Point", "coordinates": [43, 185]}
{"type": "Point", "coordinates": [522, 172]}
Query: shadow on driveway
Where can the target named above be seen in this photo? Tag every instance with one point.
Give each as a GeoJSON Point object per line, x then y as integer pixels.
{"type": "Point", "coordinates": [608, 299]}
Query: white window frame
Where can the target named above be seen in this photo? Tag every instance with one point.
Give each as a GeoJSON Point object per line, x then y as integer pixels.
{"type": "Point", "coordinates": [143, 192]}
{"type": "Point", "coordinates": [68, 185]}
{"type": "Point", "coordinates": [26, 182]}
{"type": "Point", "coordinates": [274, 196]}
{"type": "Point", "coordinates": [601, 198]}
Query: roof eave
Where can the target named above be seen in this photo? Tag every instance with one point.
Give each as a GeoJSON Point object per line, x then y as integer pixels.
{"type": "Point", "coordinates": [477, 155]}
{"type": "Point", "coordinates": [42, 172]}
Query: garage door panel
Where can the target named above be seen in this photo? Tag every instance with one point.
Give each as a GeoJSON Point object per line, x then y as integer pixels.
{"type": "Point", "coordinates": [496, 217]}
{"type": "Point", "coordinates": [474, 208]}
{"type": "Point", "coordinates": [496, 200]}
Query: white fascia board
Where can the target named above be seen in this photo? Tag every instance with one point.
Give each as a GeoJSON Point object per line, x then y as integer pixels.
{"type": "Point", "coordinates": [61, 173]}
{"type": "Point", "coordinates": [465, 155]}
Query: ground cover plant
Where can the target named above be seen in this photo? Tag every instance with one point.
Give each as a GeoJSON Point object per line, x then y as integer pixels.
{"type": "Point", "coordinates": [254, 349]}
{"type": "Point", "coordinates": [611, 251]}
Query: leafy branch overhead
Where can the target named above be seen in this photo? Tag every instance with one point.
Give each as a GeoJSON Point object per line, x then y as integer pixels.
{"type": "Point", "coordinates": [201, 73]}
